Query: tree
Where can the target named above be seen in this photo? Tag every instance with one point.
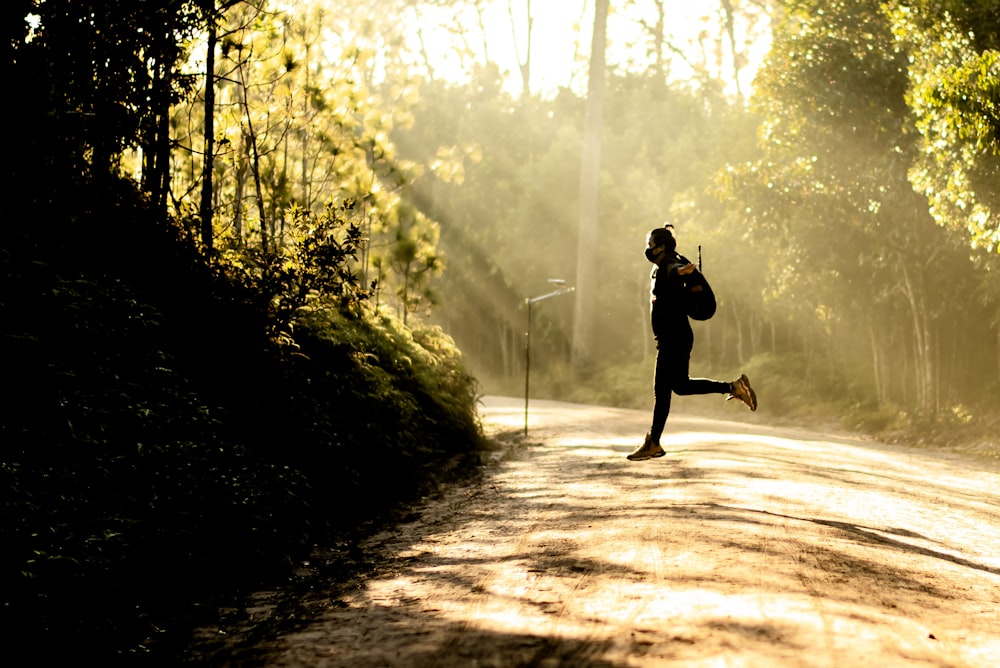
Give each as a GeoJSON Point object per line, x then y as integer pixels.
{"type": "Point", "coordinates": [831, 191]}
{"type": "Point", "coordinates": [954, 82]}
{"type": "Point", "coordinates": [294, 130]}
{"type": "Point", "coordinates": [205, 207]}
{"type": "Point", "coordinates": [107, 72]}
{"type": "Point", "coordinates": [523, 62]}
{"type": "Point", "coordinates": [717, 55]}
{"type": "Point", "coordinates": [212, 15]}
{"type": "Point", "coordinates": [590, 165]}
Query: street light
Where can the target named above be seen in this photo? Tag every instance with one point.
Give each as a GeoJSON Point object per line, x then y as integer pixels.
{"type": "Point", "coordinates": [561, 290]}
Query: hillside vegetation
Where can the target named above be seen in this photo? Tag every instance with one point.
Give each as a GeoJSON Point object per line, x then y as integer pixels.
{"type": "Point", "coordinates": [161, 450]}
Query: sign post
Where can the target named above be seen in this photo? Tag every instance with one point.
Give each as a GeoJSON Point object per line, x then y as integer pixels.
{"type": "Point", "coordinates": [563, 289]}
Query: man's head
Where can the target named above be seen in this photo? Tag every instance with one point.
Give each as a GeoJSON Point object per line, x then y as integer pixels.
{"type": "Point", "coordinates": [660, 242]}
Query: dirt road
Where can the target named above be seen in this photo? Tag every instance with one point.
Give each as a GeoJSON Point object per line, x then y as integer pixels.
{"type": "Point", "coordinates": [743, 546]}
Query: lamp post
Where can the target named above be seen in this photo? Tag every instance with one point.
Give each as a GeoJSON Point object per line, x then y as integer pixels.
{"type": "Point", "coordinates": [561, 290]}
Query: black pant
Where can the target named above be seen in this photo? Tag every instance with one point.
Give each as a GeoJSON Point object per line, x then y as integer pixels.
{"type": "Point", "coordinates": [671, 376]}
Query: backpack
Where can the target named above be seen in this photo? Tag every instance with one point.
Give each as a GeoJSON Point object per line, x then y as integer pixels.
{"type": "Point", "coordinates": [698, 297]}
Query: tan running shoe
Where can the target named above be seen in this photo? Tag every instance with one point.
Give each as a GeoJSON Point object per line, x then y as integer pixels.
{"type": "Point", "coordinates": [740, 389]}
{"type": "Point", "coordinates": [648, 450]}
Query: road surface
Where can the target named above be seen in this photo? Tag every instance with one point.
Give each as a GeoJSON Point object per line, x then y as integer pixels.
{"type": "Point", "coordinates": [745, 546]}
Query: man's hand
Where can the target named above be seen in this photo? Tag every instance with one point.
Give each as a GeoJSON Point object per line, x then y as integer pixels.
{"type": "Point", "coordinates": [687, 269]}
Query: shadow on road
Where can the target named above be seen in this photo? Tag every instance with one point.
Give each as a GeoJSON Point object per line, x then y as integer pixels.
{"type": "Point", "coordinates": [755, 544]}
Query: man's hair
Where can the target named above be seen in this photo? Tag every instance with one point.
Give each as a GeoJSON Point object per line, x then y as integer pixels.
{"type": "Point", "coordinates": [664, 236]}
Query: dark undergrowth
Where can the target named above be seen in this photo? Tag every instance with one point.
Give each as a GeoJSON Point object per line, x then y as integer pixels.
{"type": "Point", "coordinates": [161, 453]}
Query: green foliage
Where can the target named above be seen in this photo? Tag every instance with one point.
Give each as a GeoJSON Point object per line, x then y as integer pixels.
{"type": "Point", "coordinates": [854, 256]}
{"type": "Point", "coordinates": [625, 386]}
{"type": "Point", "coordinates": [799, 386]}
{"type": "Point", "coordinates": [177, 429]}
{"type": "Point", "coordinates": [407, 383]}
{"type": "Point", "coordinates": [315, 266]}
{"type": "Point", "coordinates": [954, 78]}
{"type": "Point", "coordinates": [301, 122]}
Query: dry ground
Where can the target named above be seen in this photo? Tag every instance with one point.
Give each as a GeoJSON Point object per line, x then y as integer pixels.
{"type": "Point", "coordinates": [744, 546]}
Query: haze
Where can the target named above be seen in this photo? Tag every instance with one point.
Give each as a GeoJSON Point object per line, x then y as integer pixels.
{"type": "Point", "coordinates": [804, 174]}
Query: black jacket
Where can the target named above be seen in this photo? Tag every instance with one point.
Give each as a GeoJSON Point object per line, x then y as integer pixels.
{"type": "Point", "coordinates": [668, 316]}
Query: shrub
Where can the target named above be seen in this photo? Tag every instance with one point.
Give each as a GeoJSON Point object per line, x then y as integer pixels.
{"type": "Point", "coordinates": [159, 451]}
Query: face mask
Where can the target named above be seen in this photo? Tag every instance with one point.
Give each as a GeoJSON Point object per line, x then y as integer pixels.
{"type": "Point", "coordinates": [651, 255]}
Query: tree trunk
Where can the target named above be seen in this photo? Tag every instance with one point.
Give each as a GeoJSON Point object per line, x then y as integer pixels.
{"type": "Point", "coordinates": [740, 355]}
{"type": "Point", "coordinates": [304, 137]}
{"type": "Point", "coordinates": [525, 64]}
{"type": "Point", "coordinates": [156, 141]}
{"type": "Point", "coordinates": [240, 176]}
{"type": "Point", "coordinates": [162, 186]}
{"type": "Point", "coordinates": [659, 31]}
{"type": "Point", "coordinates": [253, 156]}
{"type": "Point", "coordinates": [586, 253]}
{"type": "Point", "coordinates": [876, 363]}
{"type": "Point", "coordinates": [730, 20]}
{"type": "Point", "coordinates": [923, 347]}
{"type": "Point", "coordinates": [506, 344]}
{"type": "Point", "coordinates": [209, 158]}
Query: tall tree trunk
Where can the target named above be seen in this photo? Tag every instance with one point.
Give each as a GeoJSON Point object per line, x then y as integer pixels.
{"type": "Point", "coordinates": [525, 63]}
{"type": "Point", "coordinates": [586, 250]}
{"type": "Point", "coordinates": [923, 347]}
{"type": "Point", "coordinates": [162, 185]}
{"type": "Point", "coordinates": [209, 158]}
{"type": "Point", "coordinates": [253, 156]}
{"type": "Point", "coordinates": [240, 179]}
{"type": "Point", "coordinates": [756, 332]}
{"type": "Point", "coordinates": [659, 32]}
{"type": "Point", "coordinates": [304, 135]}
{"type": "Point", "coordinates": [483, 32]}
{"type": "Point", "coordinates": [506, 345]}
{"type": "Point", "coordinates": [873, 339]}
{"type": "Point", "coordinates": [156, 140]}
{"type": "Point", "coordinates": [730, 26]}
{"type": "Point", "coordinates": [740, 355]}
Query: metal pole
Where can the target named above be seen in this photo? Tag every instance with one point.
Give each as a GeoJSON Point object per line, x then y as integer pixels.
{"type": "Point", "coordinates": [527, 340]}
{"type": "Point", "coordinates": [527, 367]}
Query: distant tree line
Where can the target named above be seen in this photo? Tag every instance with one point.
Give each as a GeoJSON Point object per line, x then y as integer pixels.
{"type": "Point", "coordinates": [845, 210]}
{"type": "Point", "coordinates": [870, 172]}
